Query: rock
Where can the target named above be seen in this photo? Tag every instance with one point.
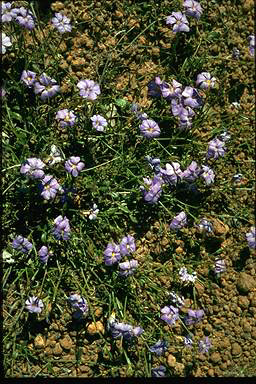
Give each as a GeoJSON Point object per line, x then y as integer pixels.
{"type": "Point", "coordinates": [215, 357]}
{"type": "Point", "coordinates": [210, 372]}
{"type": "Point", "coordinates": [219, 228]}
{"type": "Point", "coordinates": [95, 328]}
{"type": "Point", "coordinates": [39, 342]}
{"type": "Point", "coordinates": [84, 368]}
{"type": "Point", "coordinates": [200, 288]}
{"type": "Point", "coordinates": [66, 343]}
{"type": "Point", "coordinates": [57, 350]}
{"type": "Point", "coordinates": [236, 349]}
{"type": "Point", "coordinates": [98, 312]}
{"type": "Point", "coordinates": [245, 283]}
{"type": "Point", "coordinates": [179, 368]}
{"type": "Point", "coordinates": [171, 360]}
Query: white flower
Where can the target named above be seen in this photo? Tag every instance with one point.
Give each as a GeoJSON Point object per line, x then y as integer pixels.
{"type": "Point", "coordinates": [6, 42]}
{"type": "Point", "coordinates": [7, 257]}
{"type": "Point", "coordinates": [93, 212]}
{"type": "Point", "coordinates": [55, 156]}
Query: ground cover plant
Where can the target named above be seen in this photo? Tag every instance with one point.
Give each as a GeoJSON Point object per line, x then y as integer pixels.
{"type": "Point", "coordinates": [128, 189]}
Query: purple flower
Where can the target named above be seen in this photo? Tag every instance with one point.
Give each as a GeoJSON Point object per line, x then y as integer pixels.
{"type": "Point", "coordinates": [170, 314]}
{"type": "Point", "coordinates": [179, 22]}
{"type": "Point", "coordinates": [250, 237]}
{"type": "Point", "coordinates": [205, 80]}
{"type": "Point", "coordinates": [50, 187]}
{"type": "Point", "coordinates": [149, 129]}
{"type": "Point", "coordinates": [187, 277]}
{"type": "Point", "coordinates": [33, 168]}
{"type": "Point", "coordinates": [205, 226]}
{"type": "Point", "coordinates": [194, 317]}
{"type": "Point", "coordinates": [88, 89]}
{"type": "Point", "coordinates": [6, 42]}
{"type": "Point", "coordinates": [127, 245]}
{"type": "Point", "coordinates": [2, 92]}
{"type": "Point", "coordinates": [185, 124]}
{"type": "Point", "coordinates": [154, 163]}
{"type": "Point", "coordinates": [21, 244]}
{"type": "Point", "coordinates": [191, 97]}
{"type": "Point", "coordinates": [193, 8]}
{"type": "Point", "coordinates": [73, 165]}
{"type": "Point", "coordinates": [159, 371]}
{"type": "Point", "coordinates": [171, 173]}
{"type": "Point", "coordinates": [176, 299]}
{"type": "Point", "coordinates": [79, 304]}
{"type": "Point", "coordinates": [188, 341]}
{"type": "Point", "coordinates": [192, 172]}
{"type": "Point", "coordinates": [152, 190]}
{"type": "Point", "coordinates": [251, 39]}
{"type": "Point", "coordinates": [219, 266]}
{"type": "Point", "coordinates": [204, 345]}
{"type": "Point", "coordinates": [44, 254]}
{"type": "Point", "coordinates": [154, 87]}
{"type": "Point", "coordinates": [6, 14]}
{"type": "Point", "coordinates": [128, 268]}
{"type": "Point", "coordinates": [73, 299]}
{"type": "Point", "coordinates": [61, 229]}
{"type": "Point", "coordinates": [24, 17]}
{"type": "Point", "coordinates": [112, 254]}
{"type": "Point", "coordinates": [99, 122]}
{"type": "Point", "coordinates": [61, 22]}
{"type": "Point", "coordinates": [127, 331]}
{"type": "Point", "coordinates": [66, 118]}
{"type": "Point", "coordinates": [216, 148]}
{"type": "Point", "coordinates": [28, 77]}
{"type": "Point", "coordinates": [179, 221]}
{"type": "Point", "coordinates": [159, 348]}
{"type": "Point", "coordinates": [46, 87]}
{"type": "Point", "coordinates": [170, 91]}
{"type": "Point", "coordinates": [34, 305]}
{"type": "Point", "coordinates": [208, 175]}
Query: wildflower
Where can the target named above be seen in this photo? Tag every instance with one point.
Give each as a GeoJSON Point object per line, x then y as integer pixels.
{"type": "Point", "coordinates": [191, 97]}
{"type": "Point", "coordinates": [33, 168]}
{"type": "Point", "coordinates": [2, 92]}
{"type": "Point", "coordinates": [7, 257]}
{"type": "Point", "coordinates": [225, 136]}
{"type": "Point", "coordinates": [112, 254]}
{"type": "Point", "coordinates": [154, 163]}
{"type": "Point", "coordinates": [159, 348]}
{"type": "Point", "coordinates": [179, 221]}
{"type": "Point", "coordinates": [205, 80]}
{"type": "Point", "coordinates": [170, 91]}
{"type": "Point", "coordinates": [88, 89]}
{"type": "Point", "coordinates": [44, 254]}
{"type": "Point", "coordinates": [46, 87]}
{"type": "Point", "coordinates": [251, 39]}
{"type": "Point", "coordinates": [21, 244]}
{"type": "Point", "coordinates": [128, 267]}
{"type": "Point", "coordinates": [6, 14]}
{"type": "Point", "coordinates": [170, 314]}
{"type": "Point", "coordinates": [154, 87]}
{"type": "Point", "coordinates": [94, 212]}
{"type": "Point", "coordinates": [250, 237]}
{"type": "Point", "coordinates": [153, 189]}
{"type": "Point", "coordinates": [127, 245]}
{"type": "Point", "coordinates": [205, 225]}
{"type": "Point", "coordinates": [127, 331]}
{"type": "Point", "coordinates": [28, 77]}
{"type": "Point", "coordinates": [24, 17]}
{"type": "Point", "coordinates": [186, 277]}
{"type": "Point", "coordinates": [188, 341]}
{"type": "Point", "coordinates": [185, 124]}
{"type": "Point", "coordinates": [177, 300]}
{"type": "Point", "coordinates": [208, 175]}
{"type": "Point", "coordinates": [237, 178]}
{"type": "Point", "coordinates": [194, 317]}
{"type": "Point", "coordinates": [66, 118]}
{"type": "Point", "coordinates": [235, 53]}
{"type": "Point", "coordinates": [204, 345]}
{"type": "Point", "coordinates": [55, 156]}
{"type": "Point", "coordinates": [61, 22]}
{"type": "Point", "coordinates": [34, 305]}
{"type": "Point", "coordinates": [6, 42]}
{"type": "Point", "coordinates": [171, 173]}
{"type": "Point", "coordinates": [216, 148]}
{"type": "Point", "coordinates": [149, 129]}
{"type": "Point", "coordinates": [179, 22]}
{"type": "Point", "coordinates": [159, 371]}
{"type": "Point", "coordinates": [99, 122]}
{"type": "Point", "coordinates": [73, 165]}
{"type": "Point", "coordinates": [50, 187]}
{"type": "Point", "coordinates": [193, 8]}
{"type": "Point", "coordinates": [61, 229]}
{"type": "Point", "coordinates": [219, 266]}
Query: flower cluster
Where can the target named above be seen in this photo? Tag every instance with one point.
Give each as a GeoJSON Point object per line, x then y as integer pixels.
{"type": "Point", "coordinates": [79, 304]}
{"type": "Point", "coordinates": [159, 348]}
{"type": "Point", "coordinates": [124, 330]}
{"type": "Point", "coordinates": [152, 189]}
{"type": "Point", "coordinates": [61, 229]}
{"type": "Point", "coordinates": [43, 85]}
{"type": "Point", "coordinates": [33, 168]}
{"type": "Point", "coordinates": [179, 221]}
{"type": "Point", "coordinates": [170, 314]}
{"type": "Point", "coordinates": [22, 16]}
{"type": "Point", "coordinates": [22, 244]}
{"type": "Point", "coordinates": [178, 20]}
